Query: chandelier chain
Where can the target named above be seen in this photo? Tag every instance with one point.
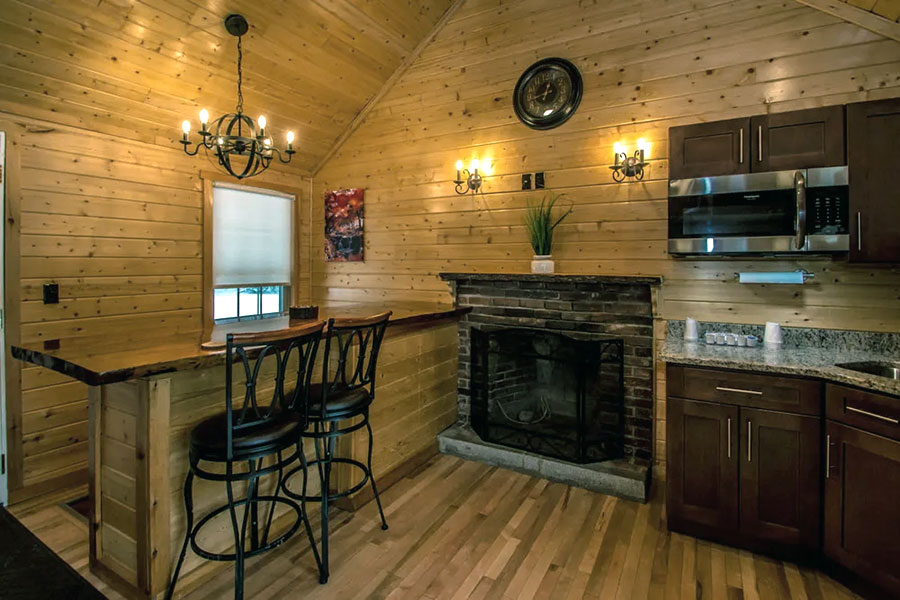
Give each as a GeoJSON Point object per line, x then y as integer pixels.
{"type": "Point", "coordinates": [240, 102]}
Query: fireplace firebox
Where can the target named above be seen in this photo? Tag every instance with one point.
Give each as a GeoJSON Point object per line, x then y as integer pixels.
{"type": "Point", "coordinates": [546, 392]}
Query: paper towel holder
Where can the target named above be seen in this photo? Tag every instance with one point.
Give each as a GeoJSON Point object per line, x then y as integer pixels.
{"type": "Point", "coordinates": [803, 273]}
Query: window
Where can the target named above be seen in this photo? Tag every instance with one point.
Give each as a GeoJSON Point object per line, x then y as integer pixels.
{"type": "Point", "coordinates": [252, 252]}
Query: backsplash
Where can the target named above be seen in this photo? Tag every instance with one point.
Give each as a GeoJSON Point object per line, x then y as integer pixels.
{"type": "Point", "coordinates": [803, 337]}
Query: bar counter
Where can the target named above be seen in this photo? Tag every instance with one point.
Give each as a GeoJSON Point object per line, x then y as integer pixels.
{"type": "Point", "coordinates": [143, 403]}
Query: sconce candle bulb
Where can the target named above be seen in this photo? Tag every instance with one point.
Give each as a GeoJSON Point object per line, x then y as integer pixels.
{"type": "Point", "coordinates": [467, 179]}
{"type": "Point", "coordinates": [204, 119]}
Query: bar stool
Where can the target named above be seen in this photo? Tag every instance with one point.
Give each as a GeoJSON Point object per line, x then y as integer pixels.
{"type": "Point", "coordinates": [250, 431]}
{"type": "Point", "coordinates": [346, 392]}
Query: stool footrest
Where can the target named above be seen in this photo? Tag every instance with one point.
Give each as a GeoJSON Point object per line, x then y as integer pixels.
{"type": "Point", "coordinates": [273, 544]}
{"type": "Point", "coordinates": [347, 461]}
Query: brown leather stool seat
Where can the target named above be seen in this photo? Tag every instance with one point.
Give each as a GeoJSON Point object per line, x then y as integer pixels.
{"type": "Point", "coordinates": [340, 401]}
{"type": "Point", "coordinates": [208, 439]}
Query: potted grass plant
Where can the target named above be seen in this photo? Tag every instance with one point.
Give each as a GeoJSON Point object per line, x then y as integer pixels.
{"type": "Point", "coordinates": [540, 223]}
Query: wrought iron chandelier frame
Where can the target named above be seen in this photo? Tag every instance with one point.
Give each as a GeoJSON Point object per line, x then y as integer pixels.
{"type": "Point", "coordinates": [235, 133]}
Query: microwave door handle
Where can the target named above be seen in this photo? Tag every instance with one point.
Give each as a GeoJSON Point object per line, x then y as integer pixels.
{"type": "Point", "coordinates": [800, 222]}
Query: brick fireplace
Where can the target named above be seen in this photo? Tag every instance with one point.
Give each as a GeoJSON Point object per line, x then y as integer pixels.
{"type": "Point", "coordinates": [590, 308]}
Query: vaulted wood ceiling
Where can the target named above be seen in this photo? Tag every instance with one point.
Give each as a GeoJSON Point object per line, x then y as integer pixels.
{"type": "Point", "coordinates": [137, 68]}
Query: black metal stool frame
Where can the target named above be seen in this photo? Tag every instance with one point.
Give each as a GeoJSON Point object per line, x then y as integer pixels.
{"type": "Point", "coordinates": [343, 334]}
{"type": "Point", "coordinates": [243, 347]}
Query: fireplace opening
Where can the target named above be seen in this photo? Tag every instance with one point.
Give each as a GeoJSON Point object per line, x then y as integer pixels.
{"type": "Point", "coordinates": [549, 393]}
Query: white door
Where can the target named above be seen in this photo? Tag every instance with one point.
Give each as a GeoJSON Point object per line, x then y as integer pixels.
{"type": "Point", "coordinates": [4, 468]}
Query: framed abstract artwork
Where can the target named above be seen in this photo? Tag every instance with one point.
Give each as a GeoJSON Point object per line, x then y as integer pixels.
{"type": "Point", "coordinates": [344, 225]}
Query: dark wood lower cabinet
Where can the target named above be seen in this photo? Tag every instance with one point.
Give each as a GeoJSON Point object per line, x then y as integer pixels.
{"type": "Point", "coordinates": [862, 504]}
{"type": "Point", "coordinates": [745, 470]}
{"type": "Point", "coordinates": [702, 474]}
{"type": "Point", "coordinates": [780, 488]}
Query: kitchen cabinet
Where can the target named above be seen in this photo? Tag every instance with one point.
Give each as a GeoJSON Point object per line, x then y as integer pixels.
{"type": "Point", "coordinates": [780, 486]}
{"type": "Point", "coordinates": [707, 149]}
{"type": "Point", "coordinates": [799, 139]}
{"type": "Point", "coordinates": [702, 474]}
{"type": "Point", "coordinates": [740, 468]}
{"type": "Point", "coordinates": [873, 129]}
{"type": "Point", "coordinates": [862, 485]}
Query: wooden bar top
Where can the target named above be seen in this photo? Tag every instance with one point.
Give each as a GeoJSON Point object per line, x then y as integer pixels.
{"type": "Point", "coordinates": [96, 363]}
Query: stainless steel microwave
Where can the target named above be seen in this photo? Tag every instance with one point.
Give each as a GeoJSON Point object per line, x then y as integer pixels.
{"type": "Point", "coordinates": [781, 212]}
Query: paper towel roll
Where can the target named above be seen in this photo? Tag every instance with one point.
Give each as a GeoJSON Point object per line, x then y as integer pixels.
{"type": "Point", "coordinates": [772, 277]}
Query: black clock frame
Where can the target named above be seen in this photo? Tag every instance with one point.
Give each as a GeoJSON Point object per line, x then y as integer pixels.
{"type": "Point", "coordinates": [562, 115]}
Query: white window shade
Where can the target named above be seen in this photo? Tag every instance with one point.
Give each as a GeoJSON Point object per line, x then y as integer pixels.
{"type": "Point", "coordinates": [252, 232]}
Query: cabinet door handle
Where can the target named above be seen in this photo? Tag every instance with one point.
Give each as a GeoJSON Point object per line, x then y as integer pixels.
{"type": "Point", "coordinates": [738, 390]}
{"type": "Point", "coordinates": [827, 456]}
{"type": "Point", "coordinates": [741, 147]}
{"type": "Point", "coordinates": [871, 414]}
{"type": "Point", "coordinates": [749, 439]}
{"type": "Point", "coordinates": [759, 142]}
{"type": "Point", "coordinates": [729, 437]}
{"type": "Point", "coordinates": [859, 231]}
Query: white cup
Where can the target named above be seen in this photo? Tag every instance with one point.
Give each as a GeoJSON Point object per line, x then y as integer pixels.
{"type": "Point", "coordinates": [710, 338]}
{"type": "Point", "coordinates": [742, 340]}
{"type": "Point", "coordinates": [720, 338]}
{"type": "Point", "coordinates": [690, 330]}
{"type": "Point", "coordinates": [730, 339]}
{"type": "Point", "coordinates": [773, 333]}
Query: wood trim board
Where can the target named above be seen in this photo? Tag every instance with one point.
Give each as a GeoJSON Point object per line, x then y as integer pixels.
{"type": "Point", "coordinates": [857, 16]}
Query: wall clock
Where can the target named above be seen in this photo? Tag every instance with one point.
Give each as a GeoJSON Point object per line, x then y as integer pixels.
{"type": "Point", "coordinates": [547, 93]}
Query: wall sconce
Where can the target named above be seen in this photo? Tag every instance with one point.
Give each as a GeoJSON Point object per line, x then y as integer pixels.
{"type": "Point", "coordinates": [467, 179]}
{"type": "Point", "coordinates": [629, 166]}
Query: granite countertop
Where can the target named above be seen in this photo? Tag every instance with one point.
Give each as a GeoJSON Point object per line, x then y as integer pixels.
{"type": "Point", "coordinates": [97, 363]}
{"type": "Point", "coordinates": [807, 361]}
{"type": "Point", "coordinates": [608, 279]}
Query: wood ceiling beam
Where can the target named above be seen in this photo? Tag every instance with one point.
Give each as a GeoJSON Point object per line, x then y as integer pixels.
{"type": "Point", "coordinates": [857, 16]}
{"type": "Point", "coordinates": [395, 76]}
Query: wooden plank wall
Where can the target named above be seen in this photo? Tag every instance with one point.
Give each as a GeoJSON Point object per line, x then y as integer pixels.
{"type": "Point", "coordinates": [647, 68]}
{"type": "Point", "coordinates": [110, 207]}
{"type": "Point", "coordinates": [117, 223]}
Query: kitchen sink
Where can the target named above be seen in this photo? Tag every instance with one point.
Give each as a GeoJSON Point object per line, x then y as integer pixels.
{"type": "Point", "coordinates": [891, 370]}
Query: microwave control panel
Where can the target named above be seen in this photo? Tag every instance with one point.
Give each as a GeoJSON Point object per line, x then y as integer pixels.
{"type": "Point", "coordinates": [828, 210]}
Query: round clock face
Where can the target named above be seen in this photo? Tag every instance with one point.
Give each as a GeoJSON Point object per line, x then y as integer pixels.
{"type": "Point", "coordinates": [547, 93]}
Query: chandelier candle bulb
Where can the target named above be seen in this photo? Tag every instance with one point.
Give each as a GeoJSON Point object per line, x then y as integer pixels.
{"type": "Point", "coordinates": [204, 119]}
{"type": "Point", "coordinates": [186, 128]}
{"type": "Point", "coordinates": [459, 167]}
{"type": "Point", "coordinates": [262, 125]}
{"type": "Point", "coordinates": [475, 165]}
{"type": "Point", "coordinates": [290, 141]}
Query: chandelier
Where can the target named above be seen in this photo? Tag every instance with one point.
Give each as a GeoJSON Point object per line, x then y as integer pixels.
{"type": "Point", "coordinates": [235, 134]}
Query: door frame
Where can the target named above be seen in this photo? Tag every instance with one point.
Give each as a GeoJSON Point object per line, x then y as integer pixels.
{"type": "Point", "coordinates": [4, 469]}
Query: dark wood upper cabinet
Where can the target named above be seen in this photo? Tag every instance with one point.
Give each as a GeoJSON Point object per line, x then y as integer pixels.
{"type": "Point", "coordinates": [780, 486]}
{"type": "Point", "coordinates": [706, 149]}
{"type": "Point", "coordinates": [873, 129]}
{"type": "Point", "coordinates": [862, 511]}
{"type": "Point", "coordinates": [701, 466]}
{"type": "Point", "coordinates": [798, 139]}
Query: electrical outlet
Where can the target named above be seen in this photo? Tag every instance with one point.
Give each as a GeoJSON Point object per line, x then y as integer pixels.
{"type": "Point", "coordinates": [539, 180]}
{"type": "Point", "coordinates": [51, 293]}
{"type": "Point", "coordinates": [526, 181]}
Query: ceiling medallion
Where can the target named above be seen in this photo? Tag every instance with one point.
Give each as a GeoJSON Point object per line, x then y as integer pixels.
{"type": "Point", "coordinates": [236, 134]}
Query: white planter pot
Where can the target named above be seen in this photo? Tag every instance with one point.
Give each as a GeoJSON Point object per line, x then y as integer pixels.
{"type": "Point", "coordinates": [543, 263]}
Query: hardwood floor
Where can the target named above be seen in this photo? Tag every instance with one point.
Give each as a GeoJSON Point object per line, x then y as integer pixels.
{"type": "Point", "coordinates": [462, 530]}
